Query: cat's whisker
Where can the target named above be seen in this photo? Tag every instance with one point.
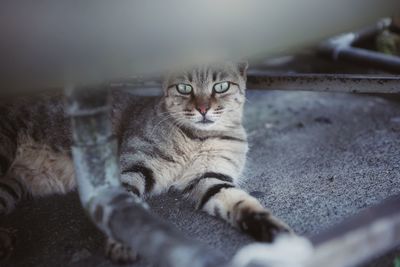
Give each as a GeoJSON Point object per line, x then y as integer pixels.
{"type": "Point", "coordinates": [178, 123]}
{"type": "Point", "coordinates": [159, 123]}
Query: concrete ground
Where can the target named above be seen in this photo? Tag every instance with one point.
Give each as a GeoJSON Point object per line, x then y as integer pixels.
{"type": "Point", "coordinates": [315, 159]}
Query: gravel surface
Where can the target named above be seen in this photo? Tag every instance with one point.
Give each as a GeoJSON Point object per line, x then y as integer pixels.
{"type": "Point", "coordinates": [315, 159]}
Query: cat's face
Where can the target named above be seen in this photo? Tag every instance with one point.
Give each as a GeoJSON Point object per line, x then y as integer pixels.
{"type": "Point", "coordinates": [207, 97]}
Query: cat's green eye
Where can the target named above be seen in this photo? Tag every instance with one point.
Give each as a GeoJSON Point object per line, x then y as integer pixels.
{"type": "Point", "coordinates": [221, 87]}
{"type": "Point", "coordinates": [184, 89]}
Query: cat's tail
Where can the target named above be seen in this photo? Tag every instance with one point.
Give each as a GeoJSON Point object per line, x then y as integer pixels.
{"type": "Point", "coordinates": [12, 190]}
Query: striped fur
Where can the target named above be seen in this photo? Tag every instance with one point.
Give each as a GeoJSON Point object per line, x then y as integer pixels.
{"type": "Point", "coordinates": [166, 142]}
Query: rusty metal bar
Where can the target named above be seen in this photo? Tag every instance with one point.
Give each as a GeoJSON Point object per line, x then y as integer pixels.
{"type": "Point", "coordinates": [343, 83]}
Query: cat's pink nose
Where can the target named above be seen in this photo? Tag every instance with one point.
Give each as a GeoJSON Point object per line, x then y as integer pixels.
{"type": "Point", "coordinates": [203, 109]}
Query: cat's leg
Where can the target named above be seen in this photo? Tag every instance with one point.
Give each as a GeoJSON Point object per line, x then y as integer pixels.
{"type": "Point", "coordinates": [217, 194]}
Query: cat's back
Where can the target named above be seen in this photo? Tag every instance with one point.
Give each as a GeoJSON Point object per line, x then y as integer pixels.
{"type": "Point", "coordinates": [131, 114]}
{"type": "Point", "coordinates": [43, 118]}
{"type": "Point", "coordinates": [40, 117]}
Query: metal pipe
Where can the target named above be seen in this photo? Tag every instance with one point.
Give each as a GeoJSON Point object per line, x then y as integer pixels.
{"type": "Point", "coordinates": [343, 83]}
{"type": "Point", "coordinates": [359, 238]}
{"type": "Point", "coordinates": [364, 236]}
{"type": "Point", "coordinates": [369, 58]}
{"type": "Point", "coordinates": [341, 48]}
{"type": "Point", "coordinates": [94, 149]}
{"type": "Point", "coordinates": [120, 215]}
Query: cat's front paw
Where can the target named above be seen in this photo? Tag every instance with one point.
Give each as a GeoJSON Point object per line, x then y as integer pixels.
{"type": "Point", "coordinates": [262, 225]}
{"type": "Point", "coordinates": [7, 243]}
{"type": "Point", "coordinates": [120, 253]}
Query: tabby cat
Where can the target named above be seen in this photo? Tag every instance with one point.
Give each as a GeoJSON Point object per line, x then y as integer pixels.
{"type": "Point", "coordinates": [190, 140]}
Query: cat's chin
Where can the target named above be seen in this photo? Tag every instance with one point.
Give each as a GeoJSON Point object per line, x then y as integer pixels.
{"type": "Point", "coordinates": [204, 125]}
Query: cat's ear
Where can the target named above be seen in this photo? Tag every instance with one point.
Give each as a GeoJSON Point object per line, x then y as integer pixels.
{"type": "Point", "coordinates": [242, 67]}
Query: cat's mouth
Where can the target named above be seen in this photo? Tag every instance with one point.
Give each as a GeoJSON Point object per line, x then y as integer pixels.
{"type": "Point", "coordinates": [205, 121]}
